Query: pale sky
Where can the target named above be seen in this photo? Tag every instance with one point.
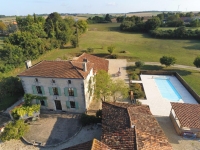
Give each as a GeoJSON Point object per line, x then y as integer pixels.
{"type": "Point", "coordinates": [25, 7]}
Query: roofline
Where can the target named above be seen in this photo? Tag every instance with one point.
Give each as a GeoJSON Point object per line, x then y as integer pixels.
{"type": "Point", "coordinates": [47, 77]}
{"type": "Point", "coordinates": [77, 70]}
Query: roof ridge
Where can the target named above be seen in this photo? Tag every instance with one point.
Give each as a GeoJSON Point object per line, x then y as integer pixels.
{"type": "Point", "coordinates": [76, 69]}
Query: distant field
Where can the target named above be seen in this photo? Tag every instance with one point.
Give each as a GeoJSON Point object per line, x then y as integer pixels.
{"type": "Point", "coordinates": [104, 27]}
{"type": "Point", "coordinates": [8, 19]}
{"type": "Point", "coordinates": [172, 28]}
{"type": "Point", "coordinates": [142, 14]}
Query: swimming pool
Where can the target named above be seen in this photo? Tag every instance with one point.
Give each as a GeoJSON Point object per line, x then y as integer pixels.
{"type": "Point", "coordinates": [167, 89]}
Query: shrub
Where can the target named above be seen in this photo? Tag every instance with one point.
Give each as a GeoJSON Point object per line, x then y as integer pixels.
{"type": "Point", "coordinates": [114, 56]}
{"type": "Point", "coordinates": [197, 62]}
{"type": "Point", "coordinates": [90, 50]}
{"type": "Point", "coordinates": [14, 130]}
{"type": "Point", "coordinates": [134, 76]}
{"type": "Point", "coordinates": [167, 60]}
{"type": "Point", "coordinates": [122, 51]}
{"type": "Point", "coordinates": [111, 49]}
{"type": "Point", "coordinates": [139, 64]}
{"type": "Point", "coordinates": [87, 119]}
{"type": "Point", "coordinates": [99, 114]}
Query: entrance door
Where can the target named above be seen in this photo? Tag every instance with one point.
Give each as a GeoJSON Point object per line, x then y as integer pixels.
{"type": "Point", "coordinates": [58, 105]}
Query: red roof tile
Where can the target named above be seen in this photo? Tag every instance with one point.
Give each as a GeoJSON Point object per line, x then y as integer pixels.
{"type": "Point", "coordinates": [57, 69]}
{"type": "Point", "coordinates": [118, 132]}
{"type": "Point", "coordinates": [90, 145]}
{"type": "Point", "coordinates": [187, 114]}
{"type": "Point", "coordinates": [99, 63]}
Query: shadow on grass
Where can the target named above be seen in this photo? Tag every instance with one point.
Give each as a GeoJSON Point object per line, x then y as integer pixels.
{"type": "Point", "coordinates": [114, 28]}
{"type": "Point", "coordinates": [180, 72]}
{"type": "Point", "coordinates": [152, 67]}
{"type": "Point", "coordinates": [193, 47]}
{"type": "Point", "coordinates": [104, 55]}
{"type": "Point", "coordinates": [66, 47]}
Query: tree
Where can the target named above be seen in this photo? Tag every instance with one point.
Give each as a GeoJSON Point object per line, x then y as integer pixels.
{"type": "Point", "coordinates": [14, 130]}
{"type": "Point", "coordinates": [139, 64]}
{"type": "Point", "coordinates": [82, 26]}
{"type": "Point", "coordinates": [153, 23]}
{"type": "Point", "coordinates": [2, 26]}
{"type": "Point", "coordinates": [195, 23]}
{"type": "Point", "coordinates": [119, 89]}
{"type": "Point", "coordinates": [197, 62]}
{"type": "Point", "coordinates": [107, 18]}
{"type": "Point", "coordinates": [103, 85]}
{"type": "Point", "coordinates": [111, 49]}
{"type": "Point", "coordinates": [167, 61]}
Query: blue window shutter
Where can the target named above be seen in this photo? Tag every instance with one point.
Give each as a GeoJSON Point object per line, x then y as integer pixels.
{"type": "Point", "coordinates": [76, 105]}
{"type": "Point", "coordinates": [45, 102]}
{"type": "Point", "coordinates": [37, 101]}
{"type": "Point", "coordinates": [50, 91]}
{"type": "Point", "coordinates": [43, 92]}
{"type": "Point", "coordinates": [75, 92]}
{"type": "Point", "coordinates": [68, 104]}
{"type": "Point", "coordinates": [66, 91]}
{"type": "Point", "coordinates": [34, 89]}
{"type": "Point", "coordinates": [59, 92]}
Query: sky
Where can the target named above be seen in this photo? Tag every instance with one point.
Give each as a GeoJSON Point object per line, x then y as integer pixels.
{"type": "Point", "coordinates": [25, 7]}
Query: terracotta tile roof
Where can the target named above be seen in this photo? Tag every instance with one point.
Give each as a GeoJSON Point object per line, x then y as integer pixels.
{"type": "Point", "coordinates": [118, 132]}
{"type": "Point", "coordinates": [99, 63]}
{"type": "Point", "coordinates": [58, 69]}
{"type": "Point", "coordinates": [187, 114]}
{"type": "Point", "coordinates": [149, 134]}
{"type": "Point", "coordinates": [90, 145]}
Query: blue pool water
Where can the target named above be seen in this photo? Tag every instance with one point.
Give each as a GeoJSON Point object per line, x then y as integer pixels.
{"type": "Point", "coordinates": [167, 89]}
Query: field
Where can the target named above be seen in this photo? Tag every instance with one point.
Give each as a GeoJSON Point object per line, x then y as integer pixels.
{"type": "Point", "coordinates": [137, 47]}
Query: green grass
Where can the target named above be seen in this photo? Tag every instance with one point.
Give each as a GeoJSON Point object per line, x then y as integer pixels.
{"type": "Point", "coordinates": [172, 28]}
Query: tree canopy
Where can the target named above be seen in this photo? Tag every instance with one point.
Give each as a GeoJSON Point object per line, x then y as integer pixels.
{"type": "Point", "coordinates": [105, 87]}
{"type": "Point", "coordinates": [197, 62]}
{"type": "Point", "coordinates": [167, 61]}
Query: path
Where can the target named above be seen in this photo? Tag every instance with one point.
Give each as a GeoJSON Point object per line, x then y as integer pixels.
{"type": "Point", "coordinates": [174, 66]}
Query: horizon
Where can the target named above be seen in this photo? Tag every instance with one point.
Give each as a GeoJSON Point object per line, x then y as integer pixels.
{"type": "Point", "coordinates": [24, 7]}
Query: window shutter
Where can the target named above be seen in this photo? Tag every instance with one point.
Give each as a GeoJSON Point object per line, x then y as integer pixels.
{"type": "Point", "coordinates": [43, 92]}
{"type": "Point", "coordinates": [45, 102]}
{"type": "Point", "coordinates": [59, 92]}
{"type": "Point", "coordinates": [75, 92]}
{"type": "Point", "coordinates": [68, 104]}
{"type": "Point", "coordinates": [76, 105]}
{"type": "Point", "coordinates": [50, 91]}
{"type": "Point", "coordinates": [34, 89]}
{"type": "Point", "coordinates": [66, 91]}
{"type": "Point", "coordinates": [37, 101]}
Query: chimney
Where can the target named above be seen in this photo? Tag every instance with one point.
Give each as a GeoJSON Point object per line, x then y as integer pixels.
{"type": "Point", "coordinates": [85, 60]}
{"type": "Point", "coordinates": [84, 66]}
{"type": "Point", "coordinates": [28, 64]}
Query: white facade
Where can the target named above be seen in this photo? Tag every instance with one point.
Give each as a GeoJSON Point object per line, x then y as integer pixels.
{"type": "Point", "coordinates": [78, 101]}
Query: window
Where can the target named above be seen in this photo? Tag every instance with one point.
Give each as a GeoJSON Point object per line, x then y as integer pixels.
{"type": "Point", "coordinates": [53, 81]}
{"type": "Point", "coordinates": [72, 104]}
{"type": "Point", "coordinates": [55, 91]}
{"type": "Point", "coordinates": [42, 102]}
{"type": "Point", "coordinates": [39, 90]}
{"type": "Point", "coordinates": [69, 81]}
{"type": "Point", "coordinates": [71, 91]}
{"type": "Point", "coordinates": [36, 79]}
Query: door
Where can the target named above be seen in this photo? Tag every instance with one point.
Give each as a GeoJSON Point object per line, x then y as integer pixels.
{"type": "Point", "coordinates": [58, 105]}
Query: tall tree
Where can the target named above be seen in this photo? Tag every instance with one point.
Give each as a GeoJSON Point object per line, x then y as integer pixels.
{"type": "Point", "coordinates": [108, 18]}
{"type": "Point", "coordinates": [103, 85]}
{"type": "Point", "coordinates": [152, 24]}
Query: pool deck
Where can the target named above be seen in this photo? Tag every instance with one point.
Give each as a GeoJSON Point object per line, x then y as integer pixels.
{"type": "Point", "coordinates": [158, 105]}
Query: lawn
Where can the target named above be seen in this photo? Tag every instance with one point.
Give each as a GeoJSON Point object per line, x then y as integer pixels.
{"type": "Point", "coordinates": [104, 27]}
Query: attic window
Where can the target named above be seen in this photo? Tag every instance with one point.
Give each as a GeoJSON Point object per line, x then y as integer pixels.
{"type": "Point", "coordinates": [69, 81]}
{"type": "Point", "coordinates": [53, 81]}
{"type": "Point", "coordinates": [36, 79]}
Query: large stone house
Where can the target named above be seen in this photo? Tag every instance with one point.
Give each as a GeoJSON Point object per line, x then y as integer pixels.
{"type": "Point", "coordinates": [68, 85]}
